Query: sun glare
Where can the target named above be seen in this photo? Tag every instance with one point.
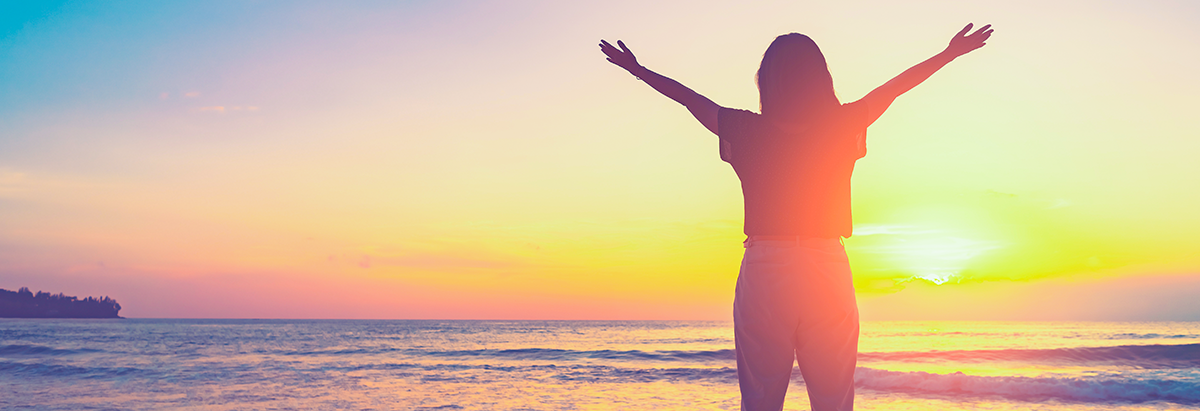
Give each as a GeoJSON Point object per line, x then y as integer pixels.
{"type": "Point", "coordinates": [932, 254]}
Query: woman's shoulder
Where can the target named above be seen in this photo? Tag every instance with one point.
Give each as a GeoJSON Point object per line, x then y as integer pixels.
{"type": "Point", "coordinates": [737, 113]}
{"type": "Point", "coordinates": [854, 109]}
{"type": "Point", "coordinates": [733, 122]}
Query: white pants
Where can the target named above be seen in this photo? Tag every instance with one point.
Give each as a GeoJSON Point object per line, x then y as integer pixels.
{"type": "Point", "coordinates": [795, 302]}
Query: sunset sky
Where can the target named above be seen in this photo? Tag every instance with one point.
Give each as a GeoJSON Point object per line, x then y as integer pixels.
{"type": "Point", "coordinates": [480, 159]}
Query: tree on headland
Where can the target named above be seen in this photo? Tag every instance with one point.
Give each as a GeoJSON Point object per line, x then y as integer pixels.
{"type": "Point", "coordinates": [25, 304]}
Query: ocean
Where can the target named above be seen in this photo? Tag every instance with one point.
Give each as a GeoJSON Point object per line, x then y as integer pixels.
{"type": "Point", "coordinates": [136, 364]}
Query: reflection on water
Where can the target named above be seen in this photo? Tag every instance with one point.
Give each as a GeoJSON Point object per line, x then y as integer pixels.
{"type": "Point", "coordinates": [553, 365]}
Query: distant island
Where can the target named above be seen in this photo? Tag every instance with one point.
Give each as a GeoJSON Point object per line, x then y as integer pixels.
{"type": "Point", "coordinates": [25, 304]}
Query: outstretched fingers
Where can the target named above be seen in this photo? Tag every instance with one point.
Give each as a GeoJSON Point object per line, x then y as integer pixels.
{"type": "Point", "coordinates": [606, 48]}
{"type": "Point", "coordinates": [621, 57]}
{"type": "Point", "coordinates": [609, 51]}
{"type": "Point", "coordinates": [983, 34]}
{"type": "Point", "coordinates": [984, 31]}
{"type": "Point", "coordinates": [965, 30]}
{"type": "Point", "coordinates": [964, 43]}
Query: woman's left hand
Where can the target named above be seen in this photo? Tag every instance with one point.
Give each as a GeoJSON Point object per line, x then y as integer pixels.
{"type": "Point", "coordinates": [621, 57]}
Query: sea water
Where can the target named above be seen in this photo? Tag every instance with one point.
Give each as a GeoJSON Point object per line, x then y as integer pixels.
{"type": "Point", "coordinates": [576, 365]}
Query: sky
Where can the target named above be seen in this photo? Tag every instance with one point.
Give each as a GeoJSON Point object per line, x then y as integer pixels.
{"type": "Point", "coordinates": [481, 160]}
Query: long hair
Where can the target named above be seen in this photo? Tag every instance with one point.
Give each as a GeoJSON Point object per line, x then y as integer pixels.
{"type": "Point", "coordinates": [794, 83]}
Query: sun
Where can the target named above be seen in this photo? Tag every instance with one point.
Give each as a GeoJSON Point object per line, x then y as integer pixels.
{"type": "Point", "coordinates": [937, 255]}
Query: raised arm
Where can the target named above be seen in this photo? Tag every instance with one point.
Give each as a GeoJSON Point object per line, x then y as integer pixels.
{"type": "Point", "coordinates": [701, 107]}
{"type": "Point", "coordinates": [881, 98]}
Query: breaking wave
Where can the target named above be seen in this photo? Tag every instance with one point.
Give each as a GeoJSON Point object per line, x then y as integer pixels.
{"type": "Point", "coordinates": [18, 350]}
{"type": "Point", "coordinates": [1091, 389]}
{"type": "Point", "coordinates": [1142, 356]}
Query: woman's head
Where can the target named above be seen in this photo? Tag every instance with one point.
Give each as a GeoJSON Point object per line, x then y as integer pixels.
{"type": "Point", "coordinates": [793, 79]}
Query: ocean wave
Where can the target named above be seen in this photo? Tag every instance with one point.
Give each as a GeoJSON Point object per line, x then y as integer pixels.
{"type": "Point", "coordinates": [61, 370]}
{"type": "Point", "coordinates": [38, 350]}
{"type": "Point", "coordinates": [564, 373]}
{"type": "Point", "coordinates": [1098, 389]}
{"type": "Point", "coordinates": [535, 354]}
{"type": "Point", "coordinates": [1151, 336]}
{"type": "Point", "coordinates": [1090, 389]}
{"type": "Point", "coordinates": [554, 354]}
{"type": "Point", "coordinates": [1143, 356]}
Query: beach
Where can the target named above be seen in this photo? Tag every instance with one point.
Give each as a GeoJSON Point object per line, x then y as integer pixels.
{"type": "Point", "coordinates": [581, 365]}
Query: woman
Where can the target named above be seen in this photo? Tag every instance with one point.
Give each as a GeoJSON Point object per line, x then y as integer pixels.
{"type": "Point", "coordinates": [794, 299]}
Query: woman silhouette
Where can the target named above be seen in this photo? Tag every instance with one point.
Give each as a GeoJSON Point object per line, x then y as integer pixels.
{"type": "Point", "coordinates": [795, 299]}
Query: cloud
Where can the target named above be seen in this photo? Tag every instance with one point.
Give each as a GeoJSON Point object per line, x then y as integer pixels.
{"type": "Point", "coordinates": [427, 261]}
{"type": "Point", "coordinates": [192, 94]}
{"type": "Point", "coordinates": [12, 182]}
{"type": "Point", "coordinates": [1059, 203]}
{"type": "Point", "coordinates": [222, 109]}
{"type": "Point", "coordinates": [8, 177]}
{"type": "Point", "coordinates": [442, 261]}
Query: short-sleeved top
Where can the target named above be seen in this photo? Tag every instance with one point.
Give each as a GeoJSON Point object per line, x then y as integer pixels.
{"type": "Point", "coordinates": [795, 180]}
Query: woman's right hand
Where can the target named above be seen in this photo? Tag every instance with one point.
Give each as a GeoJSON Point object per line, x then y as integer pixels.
{"type": "Point", "coordinates": [962, 43]}
{"type": "Point", "coordinates": [621, 57]}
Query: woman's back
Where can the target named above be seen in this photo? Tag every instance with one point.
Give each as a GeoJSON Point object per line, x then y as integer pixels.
{"type": "Point", "coordinates": [795, 178]}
